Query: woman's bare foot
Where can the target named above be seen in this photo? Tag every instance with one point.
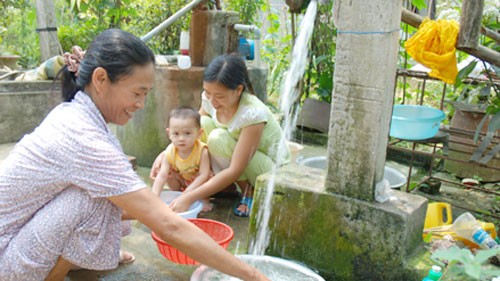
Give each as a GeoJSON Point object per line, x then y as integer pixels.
{"type": "Point", "coordinates": [126, 257]}
{"type": "Point", "coordinates": [207, 206]}
{"type": "Point", "coordinates": [244, 207]}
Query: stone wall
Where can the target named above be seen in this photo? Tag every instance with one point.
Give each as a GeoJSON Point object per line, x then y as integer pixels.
{"type": "Point", "coordinates": [23, 105]}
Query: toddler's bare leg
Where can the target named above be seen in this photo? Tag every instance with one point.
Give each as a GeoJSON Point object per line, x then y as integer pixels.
{"type": "Point", "coordinates": [175, 181]}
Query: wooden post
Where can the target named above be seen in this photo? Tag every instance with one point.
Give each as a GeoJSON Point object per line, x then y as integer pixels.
{"type": "Point", "coordinates": [470, 24]}
{"type": "Point", "coordinates": [491, 33]}
{"type": "Point", "coordinates": [47, 29]}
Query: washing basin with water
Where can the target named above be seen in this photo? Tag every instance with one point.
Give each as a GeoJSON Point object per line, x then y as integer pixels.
{"type": "Point", "coordinates": [276, 269]}
{"type": "Point", "coordinates": [396, 179]}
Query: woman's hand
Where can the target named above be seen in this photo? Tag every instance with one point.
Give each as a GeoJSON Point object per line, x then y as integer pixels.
{"type": "Point", "coordinates": [261, 277]}
{"type": "Point", "coordinates": [258, 276]}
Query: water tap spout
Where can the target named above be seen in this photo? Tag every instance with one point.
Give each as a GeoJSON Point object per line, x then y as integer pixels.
{"type": "Point", "coordinates": [256, 31]}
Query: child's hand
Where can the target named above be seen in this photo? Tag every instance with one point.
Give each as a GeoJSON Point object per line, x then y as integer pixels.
{"type": "Point", "coordinates": [155, 169]}
{"type": "Point", "coordinates": [180, 204]}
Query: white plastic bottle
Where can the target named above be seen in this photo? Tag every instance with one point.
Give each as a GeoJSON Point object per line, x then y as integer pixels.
{"type": "Point", "coordinates": [467, 227]}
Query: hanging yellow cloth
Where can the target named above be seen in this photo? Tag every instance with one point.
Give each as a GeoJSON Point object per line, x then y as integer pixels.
{"type": "Point", "coordinates": [434, 47]}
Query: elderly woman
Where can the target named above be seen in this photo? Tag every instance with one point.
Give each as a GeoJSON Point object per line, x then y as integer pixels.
{"type": "Point", "coordinates": [65, 187]}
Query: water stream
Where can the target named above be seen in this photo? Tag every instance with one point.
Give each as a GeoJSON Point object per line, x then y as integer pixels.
{"type": "Point", "coordinates": [288, 95]}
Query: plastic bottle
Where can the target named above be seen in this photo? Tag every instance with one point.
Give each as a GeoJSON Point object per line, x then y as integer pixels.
{"type": "Point", "coordinates": [467, 227]}
{"type": "Point", "coordinates": [434, 274]}
{"type": "Point", "coordinates": [184, 43]}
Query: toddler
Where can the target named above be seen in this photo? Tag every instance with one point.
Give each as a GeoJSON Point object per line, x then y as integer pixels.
{"type": "Point", "coordinates": [186, 159]}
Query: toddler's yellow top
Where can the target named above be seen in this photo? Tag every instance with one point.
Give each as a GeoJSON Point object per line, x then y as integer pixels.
{"type": "Point", "coordinates": [188, 168]}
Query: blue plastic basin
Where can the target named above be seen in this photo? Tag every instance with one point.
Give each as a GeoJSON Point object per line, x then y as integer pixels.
{"type": "Point", "coordinates": [415, 122]}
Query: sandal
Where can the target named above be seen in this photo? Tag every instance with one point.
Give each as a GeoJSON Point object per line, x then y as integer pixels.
{"type": "Point", "coordinates": [126, 257]}
{"type": "Point", "coordinates": [247, 201]}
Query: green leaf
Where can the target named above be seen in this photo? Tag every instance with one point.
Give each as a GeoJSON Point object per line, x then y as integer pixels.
{"type": "Point", "coordinates": [491, 272]}
{"type": "Point", "coordinates": [420, 4]}
{"type": "Point", "coordinates": [494, 123]}
{"type": "Point", "coordinates": [428, 237]}
{"type": "Point", "coordinates": [482, 256]}
{"type": "Point", "coordinates": [463, 261]}
{"type": "Point", "coordinates": [454, 254]}
{"type": "Point", "coordinates": [464, 72]}
{"type": "Point", "coordinates": [473, 270]}
{"type": "Point", "coordinates": [479, 128]}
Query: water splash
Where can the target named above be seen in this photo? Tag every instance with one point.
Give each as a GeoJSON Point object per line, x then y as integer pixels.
{"type": "Point", "coordinates": [288, 96]}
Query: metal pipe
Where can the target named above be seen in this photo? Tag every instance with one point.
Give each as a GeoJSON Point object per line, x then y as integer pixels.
{"type": "Point", "coordinates": [170, 20]}
{"type": "Point", "coordinates": [256, 31]}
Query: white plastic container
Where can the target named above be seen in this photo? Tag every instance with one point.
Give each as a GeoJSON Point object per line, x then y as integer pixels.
{"type": "Point", "coordinates": [168, 196]}
{"type": "Point", "coordinates": [184, 62]}
{"type": "Point", "coordinates": [396, 179]}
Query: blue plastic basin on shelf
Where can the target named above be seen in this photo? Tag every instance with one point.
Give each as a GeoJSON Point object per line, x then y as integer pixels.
{"type": "Point", "coordinates": [415, 122]}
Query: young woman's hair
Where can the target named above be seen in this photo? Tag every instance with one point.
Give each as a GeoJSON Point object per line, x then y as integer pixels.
{"type": "Point", "coordinates": [230, 71]}
{"type": "Point", "coordinates": [186, 112]}
{"type": "Point", "coordinates": [115, 50]}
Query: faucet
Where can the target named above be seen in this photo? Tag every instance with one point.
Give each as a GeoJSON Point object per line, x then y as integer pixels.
{"type": "Point", "coordinates": [256, 31]}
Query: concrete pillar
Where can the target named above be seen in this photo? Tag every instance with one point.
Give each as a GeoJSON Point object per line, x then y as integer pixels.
{"type": "Point", "coordinates": [366, 60]}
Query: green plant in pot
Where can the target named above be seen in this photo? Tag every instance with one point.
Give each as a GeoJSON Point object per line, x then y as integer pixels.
{"type": "Point", "coordinates": [476, 109]}
{"type": "Point", "coordinates": [461, 264]}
